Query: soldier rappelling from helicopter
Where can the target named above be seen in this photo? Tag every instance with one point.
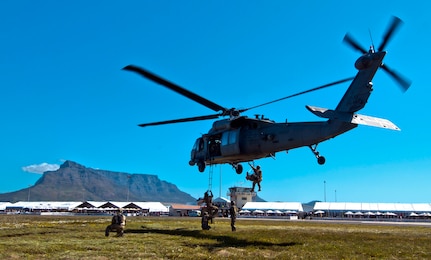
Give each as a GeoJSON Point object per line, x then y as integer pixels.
{"type": "Point", "coordinates": [256, 177]}
{"type": "Point", "coordinates": [210, 208]}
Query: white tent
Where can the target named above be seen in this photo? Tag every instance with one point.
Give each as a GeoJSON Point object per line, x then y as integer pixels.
{"type": "Point", "coordinates": [93, 205]}
{"type": "Point", "coordinates": [294, 206]}
{"type": "Point", "coordinates": [373, 207]}
{"type": "Point", "coordinates": [152, 206]}
{"type": "Point", "coordinates": [45, 205]}
{"type": "Point", "coordinates": [3, 205]}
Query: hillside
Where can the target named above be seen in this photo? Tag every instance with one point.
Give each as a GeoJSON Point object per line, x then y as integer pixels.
{"type": "Point", "coordinates": [75, 182]}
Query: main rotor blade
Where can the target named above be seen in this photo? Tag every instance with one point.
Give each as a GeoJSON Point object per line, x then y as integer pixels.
{"type": "Point", "coordinates": [353, 43]}
{"type": "Point", "coordinates": [301, 93]}
{"type": "Point", "coordinates": [181, 120]}
{"type": "Point", "coordinates": [395, 24]}
{"type": "Point", "coordinates": [175, 88]}
{"type": "Point", "coordinates": [403, 82]}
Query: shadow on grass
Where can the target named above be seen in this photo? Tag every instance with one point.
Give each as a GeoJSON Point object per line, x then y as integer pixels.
{"type": "Point", "coordinates": [30, 234]}
{"type": "Point", "coordinates": [222, 240]}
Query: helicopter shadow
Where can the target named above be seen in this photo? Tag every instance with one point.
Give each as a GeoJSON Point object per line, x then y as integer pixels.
{"type": "Point", "coordinates": [222, 240]}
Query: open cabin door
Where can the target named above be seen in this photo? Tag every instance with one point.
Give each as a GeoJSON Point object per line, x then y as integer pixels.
{"type": "Point", "coordinates": [230, 142]}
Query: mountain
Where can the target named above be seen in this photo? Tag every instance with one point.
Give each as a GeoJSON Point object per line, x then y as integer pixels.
{"type": "Point", "coordinates": [75, 182]}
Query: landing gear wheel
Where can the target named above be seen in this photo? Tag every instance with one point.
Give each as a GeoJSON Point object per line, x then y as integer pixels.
{"type": "Point", "coordinates": [321, 160]}
{"type": "Point", "coordinates": [201, 166]}
{"type": "Point", "coordinates": [238, 168]}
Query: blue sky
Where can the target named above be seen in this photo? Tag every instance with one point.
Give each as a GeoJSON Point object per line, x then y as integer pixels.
{"type": "Point", "coordinates": [65, 97]}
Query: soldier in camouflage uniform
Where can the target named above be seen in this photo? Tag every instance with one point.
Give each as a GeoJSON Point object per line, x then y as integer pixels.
{"type": "Point", "coordinates": [117, 224]}
{"type": "Point", "coordinates": [209, 206]}
{"type": "Point", "coordinates": [256, 177]}
{"type": "Point", "coordinates": [233, 210]}
{"type": "Point", "coordinates": [205, 218]}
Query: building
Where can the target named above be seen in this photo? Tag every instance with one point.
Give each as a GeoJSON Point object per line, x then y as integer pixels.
{"type": "Point", "coordinates": [182, 209]}
{"type": "Point", "coordinates": [223, 206]}
{"type": "Point", "coordinates": [241, 195]}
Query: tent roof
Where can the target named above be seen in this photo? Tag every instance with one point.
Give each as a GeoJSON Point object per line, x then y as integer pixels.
{"type": "Point", "coordinates": [297, 206]}
{"type": "Point", "coordinates": [67, 205]}
{"type": "Point", "coordinates": [3, 205]}
{"type": "Point", "coordinates": [103, 205]}
{"type": "Point", "coordinates": [373, 207]}
{"type": "Point", "coordinates": [151, 206]}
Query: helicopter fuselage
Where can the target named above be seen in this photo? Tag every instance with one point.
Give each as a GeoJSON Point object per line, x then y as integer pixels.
{"type": "Point", "coordinates": [246, 139]}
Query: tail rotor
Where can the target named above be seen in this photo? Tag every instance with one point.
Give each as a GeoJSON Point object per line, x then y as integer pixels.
{"type": "Point", "coordinates": [395, 24]}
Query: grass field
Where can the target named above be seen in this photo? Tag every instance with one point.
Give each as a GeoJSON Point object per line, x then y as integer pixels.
{"type": "Point", "coordinates": [82, 237]}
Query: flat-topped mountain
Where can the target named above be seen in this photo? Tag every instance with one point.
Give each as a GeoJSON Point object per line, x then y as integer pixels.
{"type": "Point", "coordinates": [75, 182]}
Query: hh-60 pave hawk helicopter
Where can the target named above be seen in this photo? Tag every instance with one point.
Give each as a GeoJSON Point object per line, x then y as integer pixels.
{"type": "Point", "coordinates": [241, 139]}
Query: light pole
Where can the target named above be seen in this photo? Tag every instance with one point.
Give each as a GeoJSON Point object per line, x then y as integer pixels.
{"type": "Point", "coordinates": [219, 193]}
{"type": "Point", "coordinates": [28, 195]}
{"type": "Point", "coordinates": [128, 186]}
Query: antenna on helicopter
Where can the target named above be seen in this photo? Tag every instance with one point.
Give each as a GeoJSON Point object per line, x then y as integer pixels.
{"type": "Point", "coordinates": [372, 42]}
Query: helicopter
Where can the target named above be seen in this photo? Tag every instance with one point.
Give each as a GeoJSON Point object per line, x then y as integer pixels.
{"type": "Point", "coordinates": [237, 139]}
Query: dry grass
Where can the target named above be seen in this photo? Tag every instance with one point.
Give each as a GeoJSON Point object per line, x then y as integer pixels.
{"type": "Point", "coordinates": [37, 237]}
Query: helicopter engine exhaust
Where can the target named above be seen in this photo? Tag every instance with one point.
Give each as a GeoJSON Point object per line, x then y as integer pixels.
{"type": "Point", "coordinates": [364, 62]}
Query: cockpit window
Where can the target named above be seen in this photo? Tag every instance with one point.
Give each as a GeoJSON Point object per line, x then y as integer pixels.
{"type": "Point", "coordinates": [199, 145]}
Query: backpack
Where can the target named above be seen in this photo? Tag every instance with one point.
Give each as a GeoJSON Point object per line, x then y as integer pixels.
{"type": "Point", "coordinates": [117, 219]}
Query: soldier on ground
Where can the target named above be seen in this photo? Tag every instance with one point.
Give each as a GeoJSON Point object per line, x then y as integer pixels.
{"type": "Point", "coordinates": [117, 224]}
{"type": "Point", "coordinates": [233, 213]}
{"type": "Point", "coordinates": [205, 218]}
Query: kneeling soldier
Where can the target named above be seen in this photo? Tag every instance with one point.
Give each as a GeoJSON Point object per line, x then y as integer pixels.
{"type": "Point", "coordinates": [118, 223]}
